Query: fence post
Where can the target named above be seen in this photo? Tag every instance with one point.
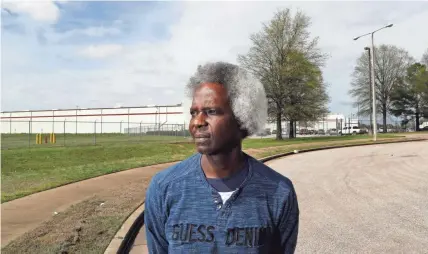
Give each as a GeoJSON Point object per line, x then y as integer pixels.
{"type": "Point", "coordinates": [121, 127]}
{"type": "Point", "coordinates": [64, 132]}
{"type": "Point", "coordinates": [128, 121]}
{"type": "Point", "coordinates": [95, 132]}
{"type": "Point", "coordinates": [141, 134]}
{"type": "Point", "coordinates": [76, 120]}
{"type": "Point", "coordinates": [29, 134]}
{"type": "Point", "coordinates": [101, 121]}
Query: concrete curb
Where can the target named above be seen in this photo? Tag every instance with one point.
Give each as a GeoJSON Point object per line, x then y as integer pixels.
{"type": "Point", "coordinates": [124, 239]}
{"type": "Point", "coordinates": [122, 242]}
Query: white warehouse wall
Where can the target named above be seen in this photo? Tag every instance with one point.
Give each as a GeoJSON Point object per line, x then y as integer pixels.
{"type": "Point", "coordinates": [115, 120]}
{"type": "Point", "coordinates": [105, 120]}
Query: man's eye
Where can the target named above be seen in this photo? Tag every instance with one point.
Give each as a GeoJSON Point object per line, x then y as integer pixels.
{"type": "Point", "coordinates": [211, 111]}
{"type": "Point", "coordinates": [193, 113]}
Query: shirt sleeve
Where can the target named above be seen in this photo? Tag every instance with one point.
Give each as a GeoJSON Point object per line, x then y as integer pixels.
{"type": "Point", "coordinates": [289, 224]}
{"type": "Point", "coordinates": [154, 220]}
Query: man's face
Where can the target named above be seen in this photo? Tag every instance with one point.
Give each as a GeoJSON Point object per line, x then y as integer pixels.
{"type": "Point", "coordinates": [213, 125]}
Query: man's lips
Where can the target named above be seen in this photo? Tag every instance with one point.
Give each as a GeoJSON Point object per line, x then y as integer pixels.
{"type": "Point", "coordinates": [202, 136]}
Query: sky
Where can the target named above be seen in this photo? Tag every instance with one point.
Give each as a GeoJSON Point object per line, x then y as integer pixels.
{"type": "Point", "coordinates": [68, 54]}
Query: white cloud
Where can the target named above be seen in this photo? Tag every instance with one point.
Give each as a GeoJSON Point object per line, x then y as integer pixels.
{"type": "Point", "coordinates": [45, 11]}
{"type": "Point", "coordinates": [94, 31]}
{"type": "Point", "coordinates": [134, 71]}
{"type": "Point", "coordinates": [101, 51]}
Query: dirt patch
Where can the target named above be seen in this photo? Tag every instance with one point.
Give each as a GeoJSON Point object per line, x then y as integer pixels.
{"type": "Point", "coordinates": [86, 227]}
{"type": "Point", "coordinates": [25, 214]}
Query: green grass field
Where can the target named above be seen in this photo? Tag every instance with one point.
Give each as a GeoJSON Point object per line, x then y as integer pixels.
{"type": "Point", "coordinates": [13, 141]}
{"type": "Point", "coordinates": [29, 170]}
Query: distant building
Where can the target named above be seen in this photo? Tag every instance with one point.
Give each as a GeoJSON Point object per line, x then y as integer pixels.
{"type": "Point", "coordinates": [90, 120]}
{"type": "Point", "coordinates": [139, 119]}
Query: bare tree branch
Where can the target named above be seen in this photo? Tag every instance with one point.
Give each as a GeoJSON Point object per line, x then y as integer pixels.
{"type": "Point", "coordinates": [391, 63]}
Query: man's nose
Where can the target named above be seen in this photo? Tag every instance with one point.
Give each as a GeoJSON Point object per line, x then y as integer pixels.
{"type": "Point", "coordinates": [200, 120]}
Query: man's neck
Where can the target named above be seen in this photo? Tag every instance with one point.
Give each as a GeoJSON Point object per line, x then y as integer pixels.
{"type": "Point", "coordinates": [224, 164]}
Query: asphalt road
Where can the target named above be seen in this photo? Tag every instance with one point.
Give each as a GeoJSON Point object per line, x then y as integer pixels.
{"type": "Point", "coordinates": [370, 199]}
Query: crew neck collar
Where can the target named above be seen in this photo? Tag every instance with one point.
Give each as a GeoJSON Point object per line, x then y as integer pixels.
{"type": "Point", "coordinates": [203, 179]}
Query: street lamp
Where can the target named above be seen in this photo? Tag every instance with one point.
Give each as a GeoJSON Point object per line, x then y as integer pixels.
{"type": "Point", "coordinates": [371, 99]}
{"type": "Point", "coordinates": [373, 78]}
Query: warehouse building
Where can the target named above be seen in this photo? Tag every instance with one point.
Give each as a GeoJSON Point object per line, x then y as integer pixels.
{"type": "Point", "coordinates": [139, 119]}
{"type": "Point", "coordinates": [90, 120]}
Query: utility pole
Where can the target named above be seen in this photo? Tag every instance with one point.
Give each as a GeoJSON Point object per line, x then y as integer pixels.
{"type": "Point", "coordinates": [373, 77]}
{"type": "Point", "coordinates": [371, 99]}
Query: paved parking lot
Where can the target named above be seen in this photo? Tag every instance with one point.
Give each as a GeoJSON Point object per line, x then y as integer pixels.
{"type": "Point", "coordinates": [370, 199]}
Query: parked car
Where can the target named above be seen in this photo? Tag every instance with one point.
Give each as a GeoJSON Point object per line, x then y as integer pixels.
{"type": "Point", "coordinates": [304, 132]}
{"type": "Point", "coordinates": [364, 131]}
{"type": "Point", "coordinates": [332, 132]}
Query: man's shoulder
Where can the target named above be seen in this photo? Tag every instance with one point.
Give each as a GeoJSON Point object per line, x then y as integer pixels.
{"type": "Point", "coordinates": [177, 171]}
{"type": "Point", "coordinates": [270, 177]}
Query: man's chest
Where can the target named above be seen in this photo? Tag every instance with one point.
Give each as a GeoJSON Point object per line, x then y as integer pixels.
{"type": "Point", "coordinates": [244, 225]}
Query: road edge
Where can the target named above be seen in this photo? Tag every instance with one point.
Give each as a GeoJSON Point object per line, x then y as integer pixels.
{"type": "Point", "coordinates": [280, 155]}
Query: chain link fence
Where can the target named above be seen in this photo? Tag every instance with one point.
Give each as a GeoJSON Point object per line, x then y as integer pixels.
{"type": "Point", "coordinates": [336, 127]}
{"type": "Point", "coordinates": [324, 127]}
{"type": "Point", "coordinates": [391, 126]}
{"type": "Point", "coordinates": [19, 134]}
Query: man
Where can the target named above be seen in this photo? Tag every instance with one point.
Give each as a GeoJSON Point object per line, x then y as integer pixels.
{"type": "Point", "coordinates": [221, 200]}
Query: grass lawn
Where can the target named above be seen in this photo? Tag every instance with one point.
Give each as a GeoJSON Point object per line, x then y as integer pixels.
{"type": "Point", "coordinates": [13, 141]}
{"type": "Point", "coordinates": [26, 171]}
{"type": "Point", "coordinates": [261, 143]}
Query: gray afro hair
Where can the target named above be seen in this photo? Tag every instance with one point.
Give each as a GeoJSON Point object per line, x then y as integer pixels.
{"type": "Point", "coordinates": [246, 94]}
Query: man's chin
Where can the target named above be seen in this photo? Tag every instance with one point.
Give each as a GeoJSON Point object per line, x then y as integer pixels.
{"type": "Point", "coordinates": [204, 150]}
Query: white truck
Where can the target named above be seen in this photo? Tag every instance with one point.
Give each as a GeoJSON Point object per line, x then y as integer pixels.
{"type": "Point", "coordinates": [351, 130]}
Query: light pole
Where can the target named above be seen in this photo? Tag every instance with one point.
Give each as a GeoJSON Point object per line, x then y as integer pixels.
{"type": "Point", "coordinates": [373, 78]}
{"type": "Point", "coordinates": [370, 82]}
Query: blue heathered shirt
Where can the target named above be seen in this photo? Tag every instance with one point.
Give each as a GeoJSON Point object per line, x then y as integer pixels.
{"type": "Point", "coordinates": [184, 213]}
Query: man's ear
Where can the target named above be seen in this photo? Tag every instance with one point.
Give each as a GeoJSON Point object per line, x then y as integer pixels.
{"type": "Point", "coordinates": [244, 133]}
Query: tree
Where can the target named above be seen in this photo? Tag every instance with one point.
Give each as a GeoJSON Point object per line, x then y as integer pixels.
{"type": "Point", "coordinates": [361, 85]}
{"type": "Point", "coordinates": [410, 98]}
{"type": "Point", "coordinates": [424, 59]}
{"type": "Point", "coordinates": [287, 62]}
{"type": "Point", "coordinates": [391, 64]}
